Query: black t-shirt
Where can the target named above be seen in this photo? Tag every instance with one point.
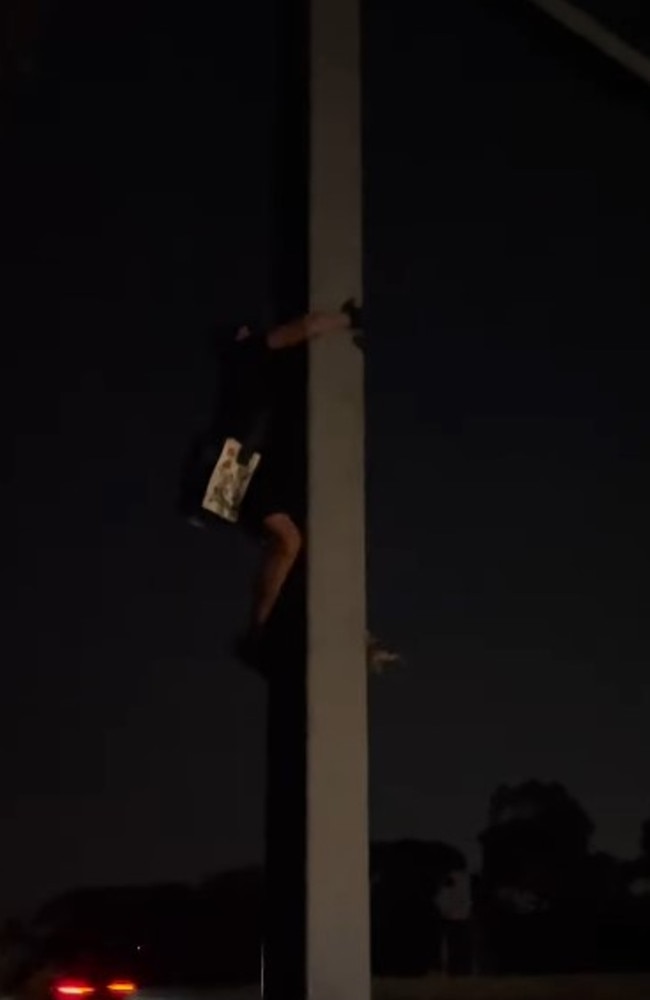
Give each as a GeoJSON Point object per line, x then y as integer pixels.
{"type": "Point", "coordinates": [262, 386]}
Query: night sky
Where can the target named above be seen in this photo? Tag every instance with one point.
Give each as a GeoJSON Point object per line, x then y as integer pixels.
{"type": "Point", "coordinates": [507, 302]}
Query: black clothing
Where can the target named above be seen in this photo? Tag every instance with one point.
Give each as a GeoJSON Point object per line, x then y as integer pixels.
{"type": "Point", "coordinates": [262, 400]}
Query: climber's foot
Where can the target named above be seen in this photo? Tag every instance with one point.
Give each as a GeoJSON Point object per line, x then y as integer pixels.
{"type": "Point", "coordinates": [249, 648]}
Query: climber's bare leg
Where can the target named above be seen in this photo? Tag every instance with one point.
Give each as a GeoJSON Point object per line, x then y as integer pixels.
{"type": "Point", "coordinates": [283, 545]}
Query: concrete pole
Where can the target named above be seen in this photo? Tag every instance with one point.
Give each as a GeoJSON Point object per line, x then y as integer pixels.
{"type": "Point", "coordinates": [337, 931]}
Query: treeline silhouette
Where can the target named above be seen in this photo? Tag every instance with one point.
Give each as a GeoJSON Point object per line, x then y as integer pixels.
{"type": "Point", "coordinates": [544, 901]}
{"type": "Point", "coordinates": [541, 902]}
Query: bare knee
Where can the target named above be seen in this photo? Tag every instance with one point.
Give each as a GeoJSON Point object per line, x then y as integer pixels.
{"type": "Point", "coordinates": [284, 534]}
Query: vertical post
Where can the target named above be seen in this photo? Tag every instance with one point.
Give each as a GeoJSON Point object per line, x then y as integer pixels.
{"type": "Point", "coordinates": [338, 939]}
{"type": "Point", "coordinates": [285, 881]}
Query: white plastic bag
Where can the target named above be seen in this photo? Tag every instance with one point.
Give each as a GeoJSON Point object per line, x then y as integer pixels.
{"type": "Point", "coordinates": [229, 481]}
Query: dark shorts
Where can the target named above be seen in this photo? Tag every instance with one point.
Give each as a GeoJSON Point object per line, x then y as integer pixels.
{"type": "Point", "coordinates": [277, 487]}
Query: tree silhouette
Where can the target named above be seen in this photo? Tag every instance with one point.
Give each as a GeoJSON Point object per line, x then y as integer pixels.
{"type": "Point", "coordinates": [406, 877]}
{"type": "Point", "coordinates": [536, 835]}
{"type": "Point", "coordinates": [532, 886]}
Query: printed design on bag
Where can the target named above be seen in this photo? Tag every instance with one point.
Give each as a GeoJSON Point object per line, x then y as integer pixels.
{"type": "Point", "coordinates": [229, 481]}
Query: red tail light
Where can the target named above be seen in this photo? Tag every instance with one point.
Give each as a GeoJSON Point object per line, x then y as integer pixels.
{"type": "Point", "coordinates": [122, 987]}
{"type": "Point", "coordinates": [73, 988]}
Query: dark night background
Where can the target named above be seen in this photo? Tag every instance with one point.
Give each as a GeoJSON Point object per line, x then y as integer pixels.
{"type": "Point", "coordinates": [507, 214]}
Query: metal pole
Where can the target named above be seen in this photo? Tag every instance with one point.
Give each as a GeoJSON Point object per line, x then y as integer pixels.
{"type": "Point", "coordinates": [338, 939]}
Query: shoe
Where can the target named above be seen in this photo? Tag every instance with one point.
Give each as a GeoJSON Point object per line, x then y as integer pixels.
{"type": "Point", "coordinates": [379, 657]}
{"type": "Point", "coordinates": [249, 648]}
{"type": "Point", "coordinates": [354, 314]}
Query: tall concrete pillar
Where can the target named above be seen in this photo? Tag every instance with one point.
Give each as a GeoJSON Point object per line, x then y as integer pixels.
{"type": "Point", "coordinates": [337, 931]}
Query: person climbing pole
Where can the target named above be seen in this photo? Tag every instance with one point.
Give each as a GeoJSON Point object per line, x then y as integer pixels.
{"type": "Point", "coordinates": [257, 478]}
